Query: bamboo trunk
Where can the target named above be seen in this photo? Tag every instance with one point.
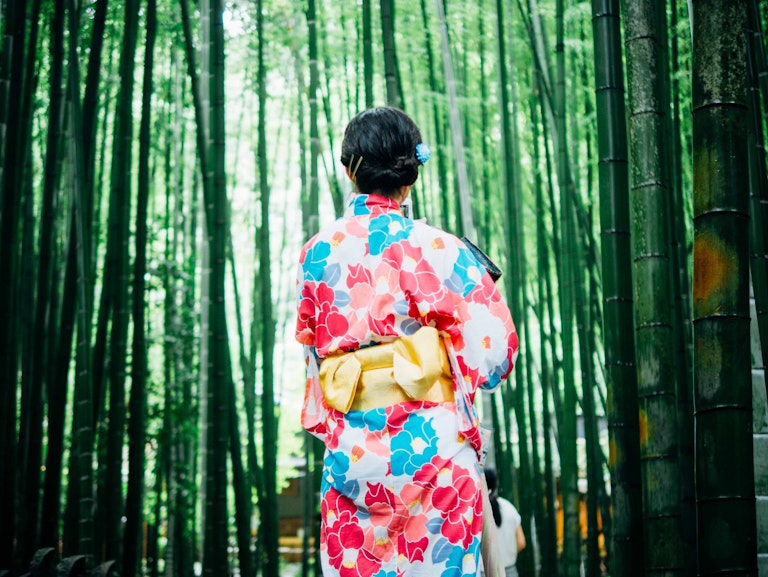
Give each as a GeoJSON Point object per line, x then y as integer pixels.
{"type": "Point", "coordinates": [722, 379]}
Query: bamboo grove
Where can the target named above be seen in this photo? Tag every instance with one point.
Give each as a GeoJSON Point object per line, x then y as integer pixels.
{"type": "Point", "coordinates": [162, 161]}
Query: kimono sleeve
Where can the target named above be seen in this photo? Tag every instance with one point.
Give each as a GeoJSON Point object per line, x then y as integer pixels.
{"type": "Point", "coordinates": [488, 345]}
{"type": "Point", "coordinates": [314, 412]}
{"type": "Point", "coordinates": [475, 317]}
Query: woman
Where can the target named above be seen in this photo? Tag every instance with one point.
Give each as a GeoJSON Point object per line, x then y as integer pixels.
{"type": "Point", "coordinates": [400, 326]}
{"type": "Point", "coordinates": [509, 535]}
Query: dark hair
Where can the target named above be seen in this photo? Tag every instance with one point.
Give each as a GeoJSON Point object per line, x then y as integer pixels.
{"type": "Point", "coordinates": [492, 479]}
{"type": "Point", "coordinates": [386, 139]}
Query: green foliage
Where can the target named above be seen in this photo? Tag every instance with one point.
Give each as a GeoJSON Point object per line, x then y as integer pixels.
{"type": "Point", "coordinates": [241, 164]}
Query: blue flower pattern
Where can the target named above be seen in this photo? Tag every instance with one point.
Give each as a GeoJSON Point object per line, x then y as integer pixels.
{"type": "Point", "coordinates": [387, 229]}
{"type": "Point", "coordinates": [335, 467]}
{"type": "Point", "coordinates": [406, 456]}
{"type": "Point", "coordinates": [373, 419]}
{"type": "Point", "coordinates": [454, 564]}
{"type": "Point", "coordinates": [461, 281]}
{"type": "Point", "coordinates": [316, 261]}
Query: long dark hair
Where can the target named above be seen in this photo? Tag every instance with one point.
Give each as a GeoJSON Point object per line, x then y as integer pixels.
{"type": "Point", "coordinates": [492, 479]}
{"type": "Point", "coordinates": [379, 147]}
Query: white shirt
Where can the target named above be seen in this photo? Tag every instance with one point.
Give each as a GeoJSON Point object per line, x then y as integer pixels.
{"type": "Point", "coordinates": [507, 532]}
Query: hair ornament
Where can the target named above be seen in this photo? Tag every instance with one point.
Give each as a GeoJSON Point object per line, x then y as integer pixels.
{"type": "Point", "coordinates": [353, 171]}
{"type": "Point", "coordinates": [423, 154]}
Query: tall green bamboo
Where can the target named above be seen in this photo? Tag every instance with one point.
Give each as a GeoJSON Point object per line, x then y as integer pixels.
{"type": "Point", "coordinates": [515, 282]}
{"type": "Point", "coordinates": [203, 129]}
{"type": "Point", "coordinates": [350, 50]}
{"type": "Point", "coordinates": [310, 221]}
{"type": "Point", "coordinates": [14, 15]}
{"type": "Point", "coordinates": [587, 199]}
{"type": "Point", "coordinates": [437, 121]}
{"type": "Point", "coordinates": [508, 465]}
{"type": "Point", "coordinates": [314, 87]}
{"type": "Point", "coordinates": [485, 170]}
{"type": "Point", "coordinates": [153, 533]}
{"type": "Point", "coordinates": [618, 331]}
{"type": "Point", "coordinates": [6, 53]}
{"type": "Point", "coordinates": [90, 98]}
{"type": "Point", "coordinates": [567, 439]}
{"type": "Point", "coordinates": [93, 192]}
{"type": "Point", "coordinates": [185, 469]}
{"type": "Point", "coordinates": [242, 489]}
{"type": "Point", "coordinates": [56, 395]}
{"type": "Point", "coordinates": [43, 333]}
{"type": "Point", "coordinates": [83, 424]}
{"type": "Point", "coordinates": [545, 515]}
{"type": "Point", "coordinates": [464, 221]}
{"type": "Point", "coordinates": [367, 41]}
{"type": "Point", "coordinates": [58, 392]}
{"type": "Point", "coordinates": [504, 97]}
{"type": "Point", "coordinates": [508, 179]}
{"type": "Point", "coordinates": [332, 176]}
{"type": "Point", "coordinates": [594, 472]}
{"type": "Point", "coordinates": [589, 320]}
{"type": "Point", "coordinates": [541, 57]}
{"type": "Point", "coordinates": [550, 275]}
{"type": "Point", "coordinates": [244, 481]}
{"type": "Point", "coordinates": [134, 502]}
{"type": "Point", "coordinates": [534, 490]}
{"type": "Point", "coordinates": [681, 285]}
{"type": "Point", "coordinates": [269, 511]}
{"type": "Point", "coordinates": [32, 403]}
{"type": "Point", "coordinates": [758, 197]}
{"type": "Point", "coordinates": [500, 457]}
{"type": "Point", "coordinates": [548, 530]}
{"type": "Point", "coordinates": [215, 561]}
{"type": "Point", "coordinates": [201, 122]}
{"type": "Point", "coordinates": [391, 68]}
{"type": "Point", "coordinates": [310, 209]}
{"type": "Point", "coordinates": [722, 381]}
{"type": "Point", "coordinates": [653, 288]}
{"type": "Point", "coordinates": [170, 329]}
{"type": "Point", "coordinates": [118, 237]}
{"type": "Point", "coordinates": [568, 426]}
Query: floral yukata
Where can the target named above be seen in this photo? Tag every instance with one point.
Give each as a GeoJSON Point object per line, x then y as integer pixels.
{"type": "Point", "coordinates": [401, 484]}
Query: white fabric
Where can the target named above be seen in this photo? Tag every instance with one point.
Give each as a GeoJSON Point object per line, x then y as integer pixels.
{"type": "Point", "coordinates": [506, 538]}
{"type": "Point", "coordinates": [507, 532]}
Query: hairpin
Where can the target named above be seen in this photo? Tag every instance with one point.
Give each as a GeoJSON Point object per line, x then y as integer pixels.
{"type": "Point", "coordinates": [354, 170]}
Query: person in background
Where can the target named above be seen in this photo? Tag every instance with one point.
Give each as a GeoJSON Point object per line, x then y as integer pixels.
{"type": "Point", "coordinates": [400, 325]}
{"type": "Point", "coordinates": [509, 532]}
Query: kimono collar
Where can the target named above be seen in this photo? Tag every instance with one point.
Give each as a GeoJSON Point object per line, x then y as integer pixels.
{"type": "Point", "coordinates": [371, 204]}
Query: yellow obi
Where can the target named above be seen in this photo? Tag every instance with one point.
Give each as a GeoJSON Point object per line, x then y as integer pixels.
{"type": "Point", "coordinates": [410, 368]}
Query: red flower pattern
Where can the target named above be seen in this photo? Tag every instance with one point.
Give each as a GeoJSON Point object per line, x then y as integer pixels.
{"type": "Point", "coordinates": [417, 276]}
{"type": "Point", "coordinates": [457, 500]}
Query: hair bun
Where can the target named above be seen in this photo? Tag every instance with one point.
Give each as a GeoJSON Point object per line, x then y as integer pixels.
{"type": "Point", "coordinates": [404, 163]}
{"type": "Point", "coordinates": [404, 171]}
{"type": "Point", "coordinates": [386, 140]}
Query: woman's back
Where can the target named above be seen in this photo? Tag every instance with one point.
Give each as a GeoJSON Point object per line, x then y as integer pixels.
{"type": "Point", "coordinates": [384, 303]}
